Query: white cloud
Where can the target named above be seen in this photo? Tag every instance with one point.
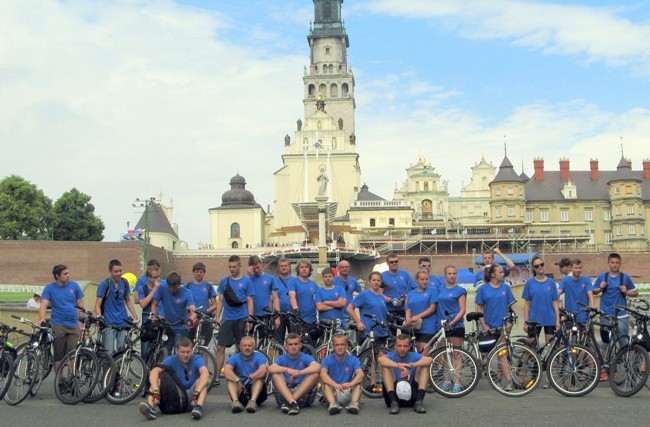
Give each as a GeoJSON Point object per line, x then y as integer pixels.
{"type": "Point", "coordinates": [594, 33]}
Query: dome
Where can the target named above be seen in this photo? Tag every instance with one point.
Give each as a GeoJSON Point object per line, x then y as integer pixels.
{"type": "Point", "coordinates": [238, 195]}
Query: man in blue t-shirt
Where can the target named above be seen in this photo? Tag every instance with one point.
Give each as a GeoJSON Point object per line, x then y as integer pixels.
{"type": "Point", "coordinates": [63, 295]}
{"type": "Point", "coordinates": [263, 285]}
{"type": "Point", "coordinates": [577, 288]}
{"type": "Point", "coordinates": [424, 263]}
{"type": "Point", "coordinates": [330, 299]}
{"type": "Point", "coordinates": [192, 374]}
{"type": "Point", "coordinates": [398, 283]}
{"type": "Point", "coordinates": [295, 375]}
{"type": "Point", "coordinates": [406, 375]}
{"type": "Point", "coordinates": [234, 305]}
{"type": "Point", "coordinates": [302, 292]}
{"type": "Point", "coordinates": [178, 304]}
{"type": "Point", "coordinates": [488, 259]}
{"type": "Point", "coordinates": [341, 376]}
{"type": "Point", "coordinates": [281, 301]}
{"type": "Point", "coordinates": [205, 301]}
{"type": "Point", "coordinates": [615, 286]}
{"type": "Point", "coordinates": [347, 282]}
{"type": "Point", "coordinates": [144, 297]}
{"type": "Point", "coordinates": [246, 372]}
{"type": "Point", "coordinates": [113, 298]}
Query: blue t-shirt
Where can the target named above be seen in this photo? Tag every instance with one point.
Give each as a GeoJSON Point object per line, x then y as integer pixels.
{"type": "Point", "coordinates": [143, 292]}
{"type": "Point", "coordinates": [282, 286]}
{"type": "Point", "coordinates": [187, 374]}
{"type": "Point", "coordinates": [400, 284]}
{"type": "Point", "coordinates": [436, 281]}
{"type": "Point", "coordinates": [114, 310]}
{"type": "Point", "coordinates": [63, 300]}
{"type": "Point", "coordinates": [243, 288]}
{"type": "Point", "coordinates": [305, 297]}
{"type": "Point", "coordinates": [418, 301]}
{"type": "Point", "coordinates": [574, 291]}
{"type": "Point", "coordinates": [478, 277]}
{"type": "Point", "coordinates": [495, 303]}
{"type": "Point", "coordinates": [201, 292]}
{"type": "Point", "coordinates": [333, 294]}
{"type": "Point", "coordinates": [369, 303]}
{"type": "Point", "coordinates": [411, 357]}
{"type": "Point", "coordinates": [612, 295]}
{"type": "Point", "coordinates": [243, 367]}
{"type": "Point", "coordinates": [341, 372]}
{"type": "Point", "coordinates": [448, 302]}
{"type": "Point", "coordinates": [350, 287]}
{"type": "Point", "coordinates": [541, 296]}
{"type": "Point", "coordinates": [301, 361]}
{"type": "Point", "coordinates": [175, 305]}
{"type": "Point", "coordinates": [263, 285]}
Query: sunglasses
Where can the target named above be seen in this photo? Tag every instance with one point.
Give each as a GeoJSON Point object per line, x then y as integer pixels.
{"type": "Point", "coordinates": [538, 265]}
{"type": "Point", "coordinates": [187, 374]}
{"type": "Point", "coordinates": [393, 262]}
{"type": "Point", "coordinates": [425, 265]}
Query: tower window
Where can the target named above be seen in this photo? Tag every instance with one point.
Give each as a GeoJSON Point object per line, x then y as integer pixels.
{"type": "Point", "coordinates": [327, 51]}
{"type": "Point", "coordinates": [344, 90]}
{"type": "Point", "coordinates": [234, 230]}
{"type": "Point", "coordinates": [334, 90]}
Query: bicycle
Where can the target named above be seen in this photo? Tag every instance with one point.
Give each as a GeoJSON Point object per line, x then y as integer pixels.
{"type": "Point", "coordinates": [203, 351]}
{"type": "Point", "coordinates": [628, 372]}
{"type": "Point", "coordinates": [131, 370]}
{"type": "Point", "coordinates": [571, 368]}
{"type": "Point", "coordinates": [7, 357]}
{"type": "Point", "coordinates": [512, 368]}
{"type": "Point", "coordinates": [368, 353]}
{"type": "Point", "coordinates": [33, 364]}
{"type": "Point", "coordinates": [454, 372]}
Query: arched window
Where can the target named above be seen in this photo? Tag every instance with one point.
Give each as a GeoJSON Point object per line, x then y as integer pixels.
{"type": "Point", "coordinates": [334, 90]}
{"type": "Point", "coordinates": [235, 245]}
{"type": "Point", "coordinates": [322, 89]}
{"type": "Point", "coordinates": [344, 89]}
{"type": "Point", "coordinates": [234, 230]}
{"type": "Point", "coordinates": [327, 11]}
{"type": "Point", "coordinates": [311, 91]}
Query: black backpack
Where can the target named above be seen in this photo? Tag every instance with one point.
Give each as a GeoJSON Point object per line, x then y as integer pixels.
{"type": "Point", "coordinates": [108, 290]}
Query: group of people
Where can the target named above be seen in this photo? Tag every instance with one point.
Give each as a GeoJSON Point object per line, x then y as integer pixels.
{"type": "Point", "coordinates": [425, 302]}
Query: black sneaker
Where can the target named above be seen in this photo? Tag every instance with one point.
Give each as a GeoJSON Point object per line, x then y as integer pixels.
{"type": "Point", "coordinates": [418, 407]}
{"type": "Point", "coordinates": [147, 410]}
{"type": "Point", "coordinates": [394, 408]}
{"type": "Point", "coordinates": [197, 412]}
{"type": "Point", "coordinates": [294, 409]}
{"type": "Point", "coordinates": [285, 408]}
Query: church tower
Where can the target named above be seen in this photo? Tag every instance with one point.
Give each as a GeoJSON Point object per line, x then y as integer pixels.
{"type": "Point", "coordinates": [322, 156]}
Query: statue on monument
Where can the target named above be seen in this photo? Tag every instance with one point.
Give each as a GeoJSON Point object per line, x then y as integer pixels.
{"type": "Point", "coordinates": [353, 139]}
{"type": "Point", "coordinates": [340, 123]}
{"type": "Point", "coordinates": [322, 182]}
{"type": "Point", "coordinates": [287, 139]}
{"type": "Point", "coordinates": [299, 123]}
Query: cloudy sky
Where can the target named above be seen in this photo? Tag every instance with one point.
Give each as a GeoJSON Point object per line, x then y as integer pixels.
{"type": "Point", "coordinates": [123, 99]}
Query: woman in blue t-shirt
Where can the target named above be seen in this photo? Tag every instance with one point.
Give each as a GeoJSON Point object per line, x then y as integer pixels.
{"type": "Point", "coordinates": [494, 298]}
{"type": "Point", "coordinates": [540, 303]}
{"type": "Point", "coordinates": [370, 301]}
{"type": "Point", "coordinates": [452, 300]}
{"type": "Point", "coordinates": [421, 307]}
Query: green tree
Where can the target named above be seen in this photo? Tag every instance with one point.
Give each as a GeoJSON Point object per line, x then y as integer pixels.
{"type": "Point", "coordinates": [25, 211]}
{"type": "Point", "coordinates": [75, 219]}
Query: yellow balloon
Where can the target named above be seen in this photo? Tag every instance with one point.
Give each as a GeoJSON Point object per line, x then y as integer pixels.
{"type": "Point", "coordinates": [131, 278]}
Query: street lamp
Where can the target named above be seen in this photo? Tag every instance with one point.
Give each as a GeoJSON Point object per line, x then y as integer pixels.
{"type": "Point", "coordinates": [146, 248]}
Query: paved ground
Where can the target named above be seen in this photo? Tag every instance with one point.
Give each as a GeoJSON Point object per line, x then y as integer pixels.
{"type": "Point", "coordinates": [483, 406]}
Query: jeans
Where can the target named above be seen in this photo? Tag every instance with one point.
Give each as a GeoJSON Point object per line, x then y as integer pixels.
{"type": "Point", "coordinates": [623, 327]}
{"type": "Point", "coordinates": [113, 339]}
{"type": "Point", "coordinates": [177, 334]}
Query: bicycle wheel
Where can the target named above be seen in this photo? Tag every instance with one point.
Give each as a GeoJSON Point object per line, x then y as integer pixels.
{"type": "Point", "coordinates": [107, 373]}
{"type": "Point", "coordinates": [454, 373]}
{"type": "Point", "coordinates": [210, 363]}
{"type": "Point", "coordinates": [6, 373]}
{"type": "Point", "coordinates": [573, 370]}
{"type": "Point", "coordinates": [372, 385]}
{"type": "Point", "coordinates": [322, 352]}
{"type": "Point", "coordinates": [272, 353]}
{"type": "Point", "coordinates": [25, 372]}
{"type": "Point", "coordinates": [308, 349]}
{"type": "Point", "coordinates": [513, 369]}
{"type": "Point", "coordinates": [76, 376]}
{"type": "Point", "coordinates": [628, 371]}
{"type": "Point", "coordinates": [131, 377]}
{"type": "Point", "coordinates": [157, 356]}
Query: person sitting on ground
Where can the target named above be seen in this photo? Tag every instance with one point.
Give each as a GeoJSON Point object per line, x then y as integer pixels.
{"type": "Point", "coordinates": [405, 374]}
{"type": "Point", "coordinates": [246, 372]}
{"type": "Point", "coordinates": [178, 384]}
{"type": "Point", "coordinates": [295, 375]}
{"type": "Point", "coordinates": [341, 376]}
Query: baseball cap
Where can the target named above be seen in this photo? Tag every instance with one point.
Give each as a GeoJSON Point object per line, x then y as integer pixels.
{"type": "Point", "coordinates": [564, 262]}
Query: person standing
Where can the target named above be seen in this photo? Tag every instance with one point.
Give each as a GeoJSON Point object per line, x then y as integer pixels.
{"type": "Point", "coordinates": [565, 267]}
{"type": "Point", "coordinates": [234, 305]}
{"type": "Point", "coordinates": [341, 376]}
{"type": "Point", "coordinates": [346, 281]}
{"type": "Point", "coordinates": [64, 295]}
{"type": "Point", "coordinates": [421, 306]}
{"type": "Point", "coordinates": [540, 303]}
{"type": "Point", "coordinates": [488, 259]}
{"type": "Point", "coordinates": [281, 300]}
{"type": "Point", "coordinates": [144, 297]}
{"type": "Point", "coordinates": [370, 302]}
{"type": "Point", "coordinates": [34, 303]}
{"type": "Point", "coordinates": [178, 303]}
{"type": "Point", "coordinates": [113, 299]}
{"type": "Point", "coordinates": [205, 301]}
{"type": "Point", "coordinates": [577, 289]}
{"type": "Point", "coordinates": [302, 293]}
{"type": "Point", "coordinates": [330, 299]}
{"type": "Point", "coordinates": [263, 285]}
{"type": "Point", "coordinates": [397, 284]}
{"type": "Point", "coordinates": [424, 263]}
